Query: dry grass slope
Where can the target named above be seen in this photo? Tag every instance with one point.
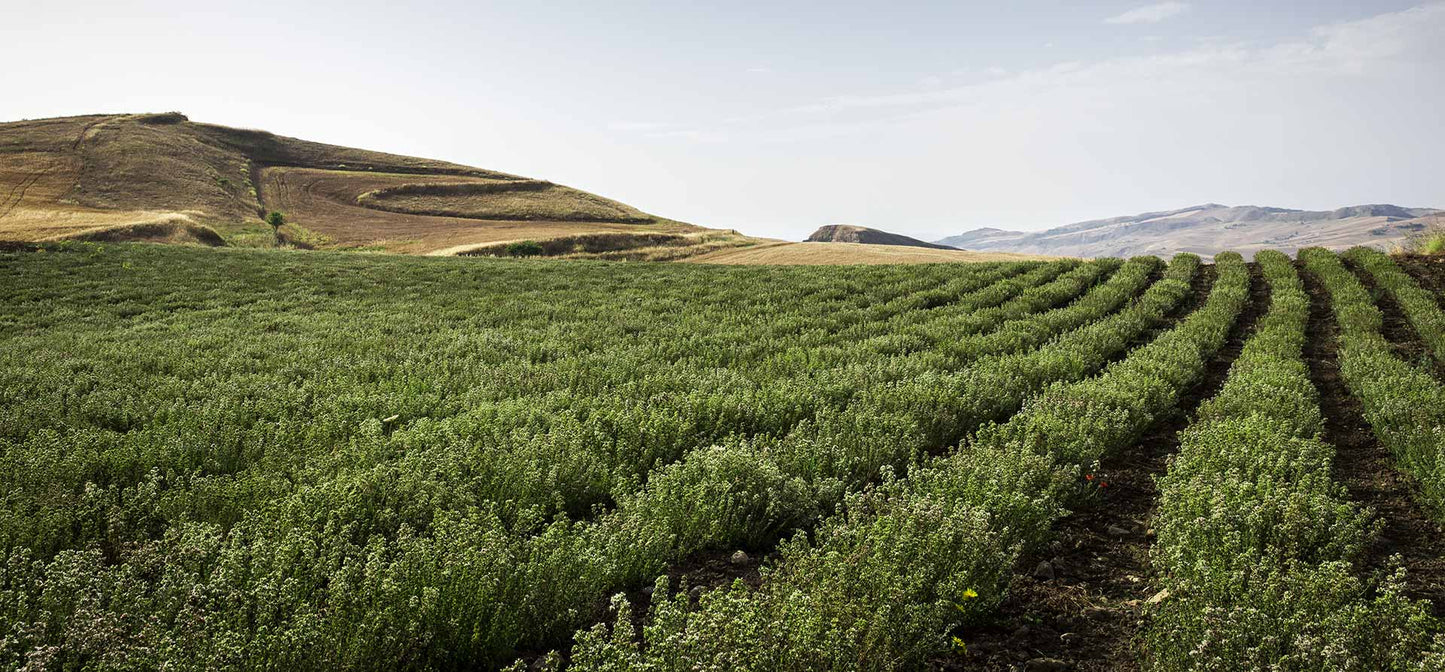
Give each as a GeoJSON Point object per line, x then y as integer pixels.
{"type": "Point", "coordinates": [502, 200]}
{"type": "Point", "coordinates": [163, 177]}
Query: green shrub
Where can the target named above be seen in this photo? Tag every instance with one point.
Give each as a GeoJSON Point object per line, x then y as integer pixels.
{"type": "Point", "coordinates": [523, 248]}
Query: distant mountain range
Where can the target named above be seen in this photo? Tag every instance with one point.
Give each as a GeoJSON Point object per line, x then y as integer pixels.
{"type": "Point", "coordinates": [843, 233]}
{"type": "Point", "coordinates": [1210, 228]}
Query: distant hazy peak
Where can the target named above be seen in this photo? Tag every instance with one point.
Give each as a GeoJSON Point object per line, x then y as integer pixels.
{"type": "Point", "coordinates": [1207, 229]}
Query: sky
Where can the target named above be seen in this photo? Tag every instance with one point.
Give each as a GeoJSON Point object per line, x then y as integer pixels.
{"type": "Point", "coordinates": [774, 118]}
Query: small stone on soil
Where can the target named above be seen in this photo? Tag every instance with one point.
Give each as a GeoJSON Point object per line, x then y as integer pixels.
{"type": "Point", "coordinates": [739, 558]}
{"type": "Point", "coordinates": [1044, 571]}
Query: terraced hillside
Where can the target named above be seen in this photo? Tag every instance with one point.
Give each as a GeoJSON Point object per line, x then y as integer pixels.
{"type": "Point", "coordinates": [263, 458]}
{"type": "Point", "coordinates": [164, 177]}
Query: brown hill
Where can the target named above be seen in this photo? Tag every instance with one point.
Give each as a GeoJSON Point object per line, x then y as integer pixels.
{"type": "Point", "coordinates": [164, 177]}
{"type": "Point", "coordinates": [843, 233]}
{"type": "Point", "coordinates": [1210, 228]}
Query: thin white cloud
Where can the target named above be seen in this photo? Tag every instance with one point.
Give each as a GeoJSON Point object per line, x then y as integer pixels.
{"type": "Point", "coordinates": [1326, 116]}
{"type": "Point", "coordinates": [1216, 70]}
{"type": "Point", "coordinates": [1344, 49]}
{"type": "Point", "coordinates": [1150, 13]}
{"type": "Point", "coordinates": [638, 126]}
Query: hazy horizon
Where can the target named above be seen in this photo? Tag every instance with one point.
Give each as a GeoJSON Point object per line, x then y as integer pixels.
{"type": "Point", "coordinates": [926, 119]}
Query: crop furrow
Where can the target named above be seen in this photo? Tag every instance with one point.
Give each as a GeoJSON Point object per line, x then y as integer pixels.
{"type": "Point", "coordinates": [1418, 305]}
{"type": "Point", "coordinates": [543, 473]}
{"type": "Point", "coordinates": [1257, 543]}
{"type": "Point", "coordinates": [1080, 598]}
{"type": "Point", "coordinates": [1368, 469]}
{"type": "Point", "coordinates": [1404, 404]}
{"type": "Point", "coordinates": [899, 564]}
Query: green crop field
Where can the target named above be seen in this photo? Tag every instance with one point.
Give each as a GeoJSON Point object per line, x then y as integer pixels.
{"type": "Point", "coordinates": [233, 459]}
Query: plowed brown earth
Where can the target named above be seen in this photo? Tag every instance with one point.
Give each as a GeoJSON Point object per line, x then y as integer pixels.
{"type": "Point", "coordinates": [1367, 469]}
{"type": "Point", "coordinates": [1087, 616]}
{"type": "Point", "coordinates": [1428, 270]}
{"type": "Point", "coordinates": [324, 201]}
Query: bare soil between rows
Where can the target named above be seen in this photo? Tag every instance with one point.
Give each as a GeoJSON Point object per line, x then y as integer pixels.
{"type": "Point", "coordinates": [1088, 616]}
{"type": "Point", "coordinates": [1364, 466]}
{"type": "Point", "coordinates": [1428, 270]}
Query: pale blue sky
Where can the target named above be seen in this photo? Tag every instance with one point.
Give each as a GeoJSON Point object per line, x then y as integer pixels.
{"type": "Point", "coordinates": [926, 118]}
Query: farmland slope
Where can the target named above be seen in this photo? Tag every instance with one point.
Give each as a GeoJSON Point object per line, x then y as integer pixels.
{"type": "Point", "coordinates": [162, 177]}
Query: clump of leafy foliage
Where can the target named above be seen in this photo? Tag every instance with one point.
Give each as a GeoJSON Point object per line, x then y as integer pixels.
{"type": "Point", "coordinates": [523, 248]}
